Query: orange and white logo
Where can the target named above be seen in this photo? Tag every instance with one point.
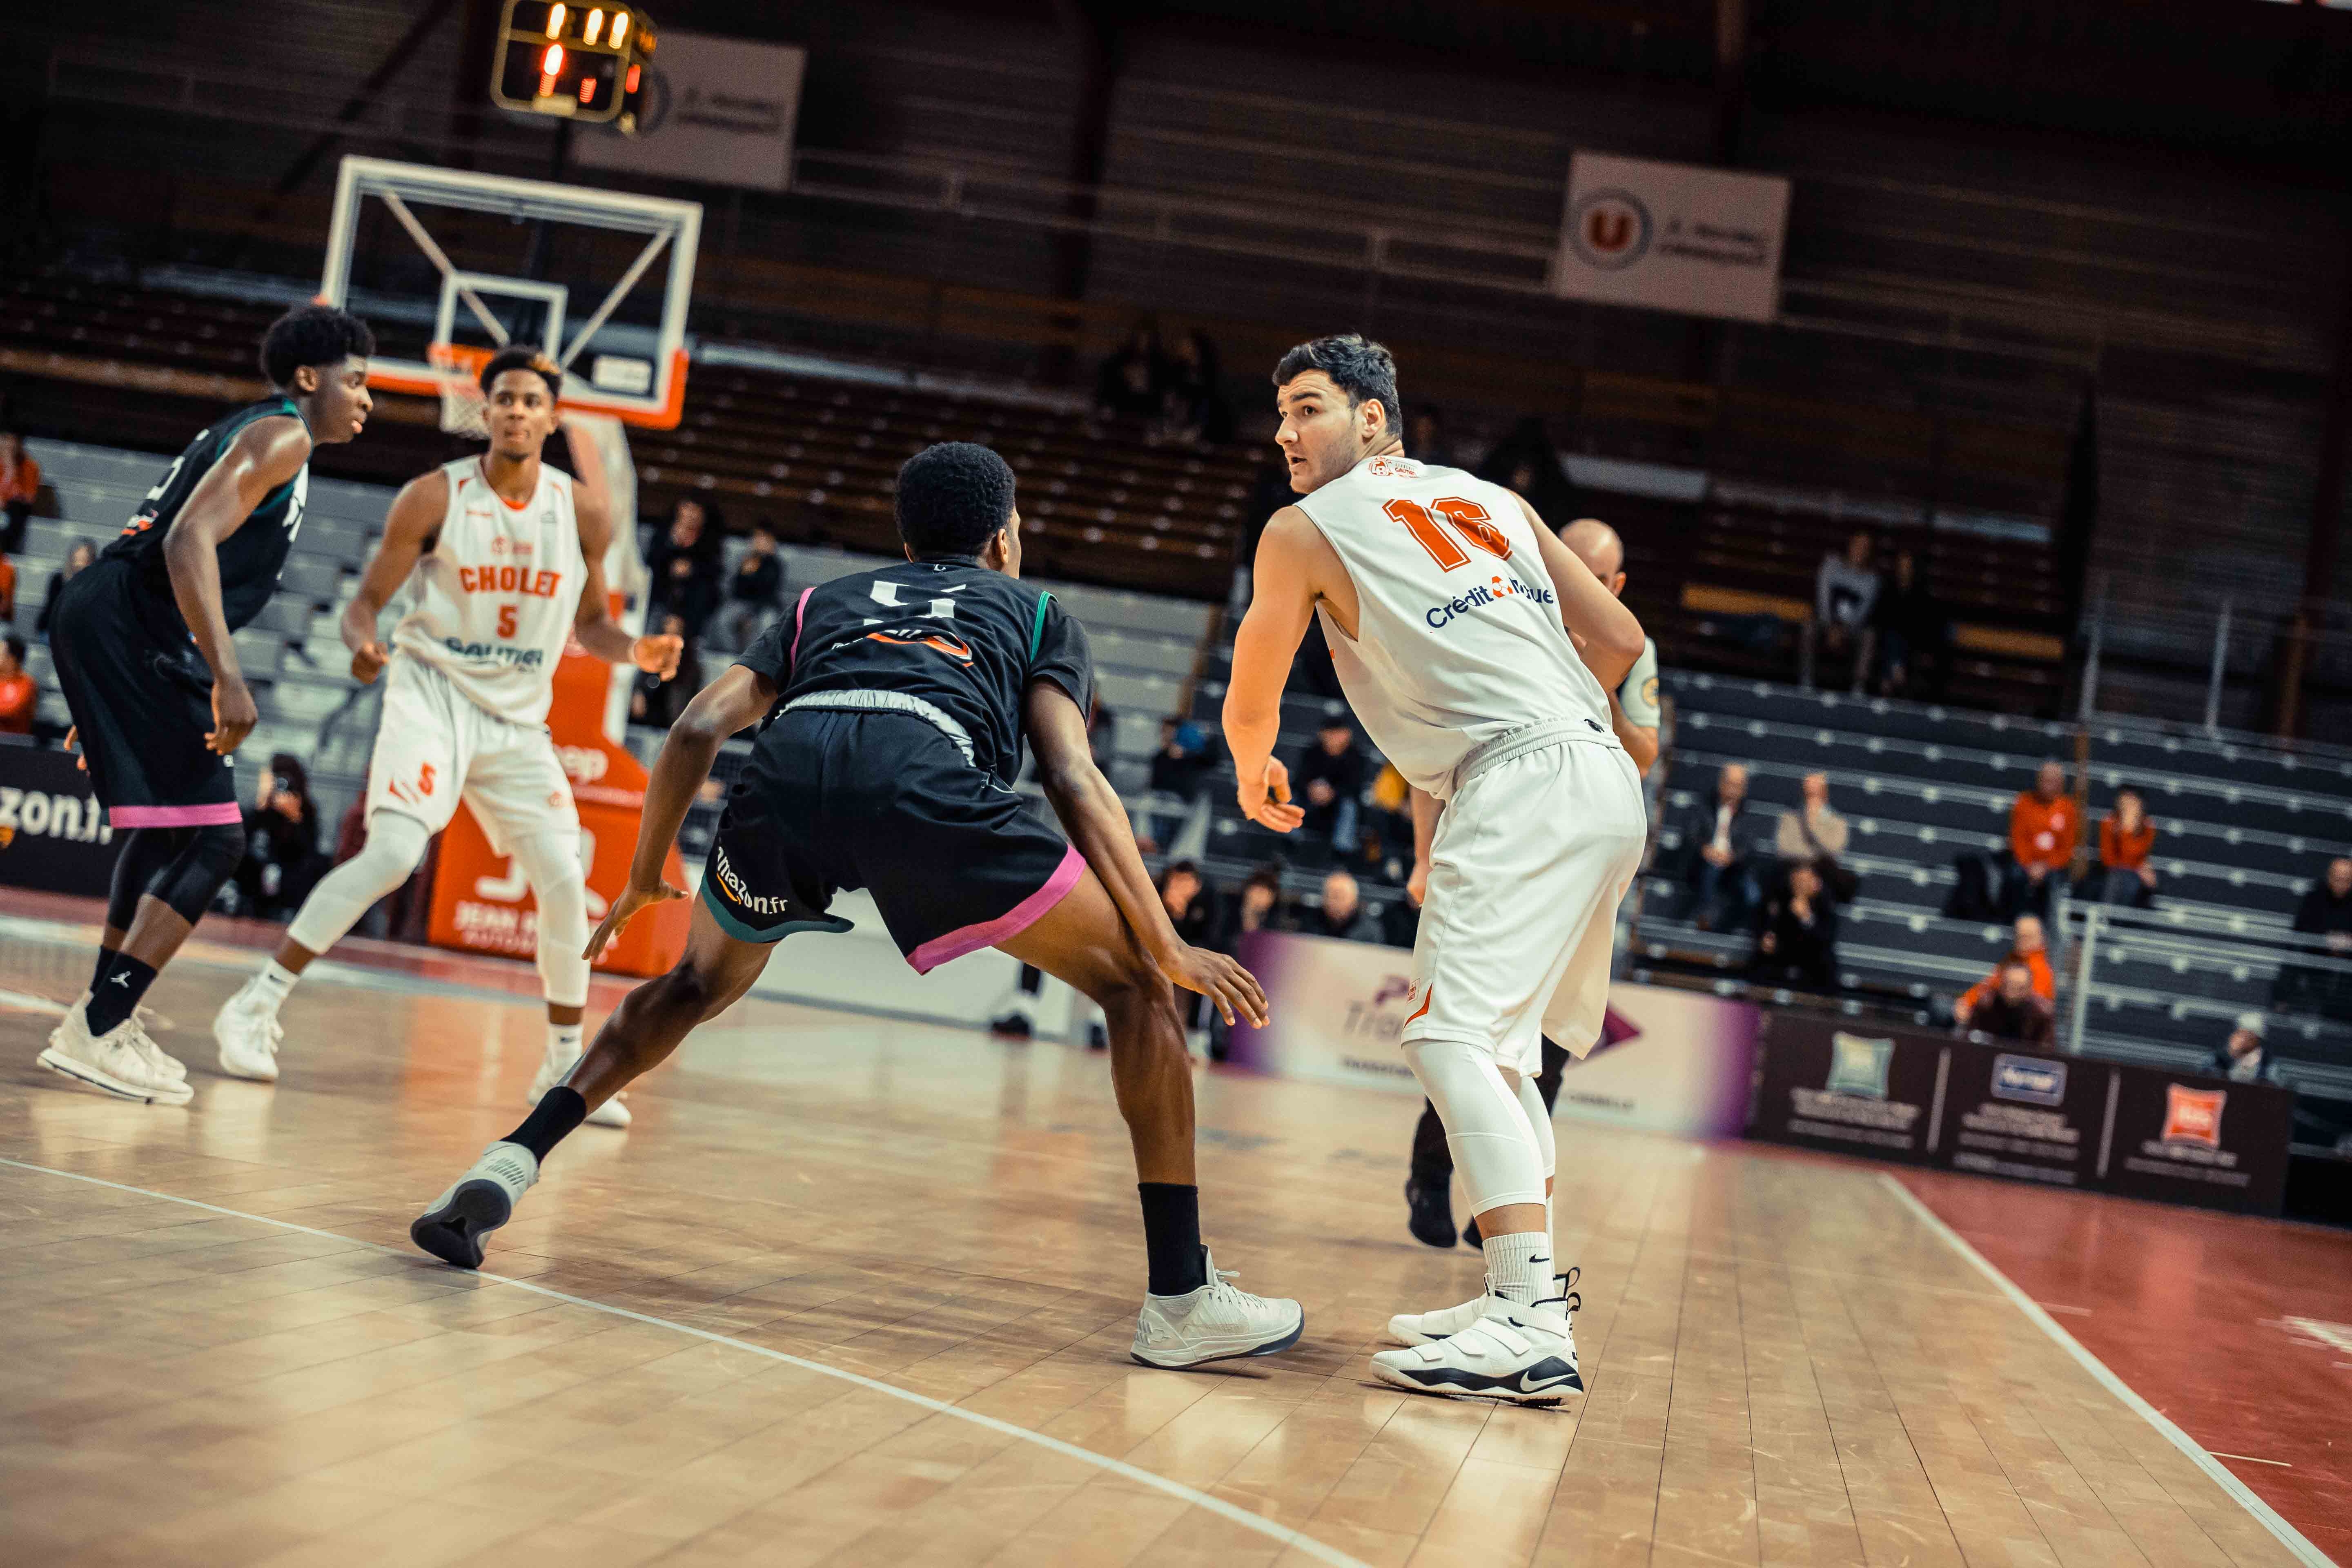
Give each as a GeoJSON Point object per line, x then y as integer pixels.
{"type": "Point", "coordinates": [2193, 1115]}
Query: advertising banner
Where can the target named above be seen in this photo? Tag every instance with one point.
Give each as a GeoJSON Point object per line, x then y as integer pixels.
{"type": "Point", "coordinates": [720, 111]}
{"type": "Point", "coordinates": [53, 832]}
{"type": "Point", "coordinates": [2034, 1117]}
{"type": "Point", "coordinates": [1851, 1088]}
{"type": "Point", "coordinates": [1672, 237]}
{"type": "Point", "coordinates": [2184, 1139]}
{"type": "Point", "coordinates": [1669, 1062]}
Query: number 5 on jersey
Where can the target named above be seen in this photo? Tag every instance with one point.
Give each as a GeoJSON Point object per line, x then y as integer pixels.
{"type": "Point", "coordinates": [507, 613]}
{"type": "Point", "coordinates": [1468, 515]}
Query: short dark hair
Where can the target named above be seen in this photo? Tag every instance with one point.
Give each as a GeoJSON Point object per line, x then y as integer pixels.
{"type": "Point", "coordinates": [954, 498]}
{"type": "Point", "coordinates": [1357, 366]}
{"type": "Point", "coordinates": [522, 356]}
{"type": "Point", "coordinates": [312, 334]}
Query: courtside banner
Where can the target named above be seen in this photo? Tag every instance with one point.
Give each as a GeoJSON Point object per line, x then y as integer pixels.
{"type": "Point", "coordinates": [2020, 1114]}
{"type": "Point", "coordinates": [1672, 237]}
{"type": "Point", "coordinates": [53, 832]}
{"type": "Point", "coordinates": [1852, 1087]}
{"type": "Point", "coordinates": [1668, 1061]}
{"type": "Point", "coordinates": [2183, 1139]}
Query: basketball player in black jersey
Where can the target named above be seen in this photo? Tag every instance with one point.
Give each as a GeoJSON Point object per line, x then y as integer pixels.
{"type": "Point", "coordinates": [143, 639]}
{"type": "Point", "coordinates": [892, 706]}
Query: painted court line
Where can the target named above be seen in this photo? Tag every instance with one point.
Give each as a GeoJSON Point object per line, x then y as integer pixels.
{"type": "Point", "coordinates": [2288, 1536]}
{"type": "Point", "coordinates": [1218, 1506]}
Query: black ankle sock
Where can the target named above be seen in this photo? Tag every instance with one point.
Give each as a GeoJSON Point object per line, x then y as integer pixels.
{"type": "Point", "coordinates": [1172, 1237]}
{"type": "Point", "coordinates": [106, 957]}
{"type": "Point", "coordinates": [559, 1110]}
{"type": "Point", "coordinates": [112, 999]}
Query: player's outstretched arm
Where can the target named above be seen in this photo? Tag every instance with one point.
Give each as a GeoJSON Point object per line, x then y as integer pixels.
{"type": "Point", "coordinates": [1284, 588]}
{"type": "Point", "coordinates": [736, 699]}
{"type": "Point", "coordinates": [1097, 823]}
{"type": "Point", "coordinates": [1606, 632]}
{"type": "Point", "coordinates": [408, 530]}
{"type": "Point", "coordinates": [593, 625]}
{"type": "Point", "coordinates": [266, 454]}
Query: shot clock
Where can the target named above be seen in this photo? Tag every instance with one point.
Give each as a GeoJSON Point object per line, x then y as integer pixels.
{"type": "Point", "coordinates": [582, 62]}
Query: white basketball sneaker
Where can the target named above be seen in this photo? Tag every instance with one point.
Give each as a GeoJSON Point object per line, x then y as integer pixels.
{"type": "Point", "coordinates": [122, 1061]}
{"type": "Point", "coordinates": [149, 1020]}
{"type": "Point", "coordinates": [1521, 1354]}
{"type": "Point", "coordinates": [477, 1204]}
{"type": "Point", "coordinates": [1215, 1323]}
{"type": "Point", "coordinates": [553, 1071]}
{"type": "Point", "coordinates": [247, 1032]}
{"type": "Point", "coordinates": [1421, 1328]}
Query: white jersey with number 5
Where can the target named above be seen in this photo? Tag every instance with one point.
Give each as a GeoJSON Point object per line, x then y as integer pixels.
{"type": "Point", "coordinates": [497, 593]}
{"type": "Point", "coordinates": [1459, 637]}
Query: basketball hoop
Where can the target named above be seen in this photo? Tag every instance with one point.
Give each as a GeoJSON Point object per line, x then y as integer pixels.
{"type": "Point", "coordinates": [456, 372]}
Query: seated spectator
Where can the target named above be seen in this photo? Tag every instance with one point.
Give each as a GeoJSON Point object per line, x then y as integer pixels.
{"type": "Point", "coordinates": [2028, 949]}
{"type": "Point", "coordinates": [1716, 835]}
{"type": "Point", "coordinates": [79, 556]}
{"type": "Point", "coordinates": [1193, 408]}
{"type": "Point", "coordinates": [1845, 591]}
{"type": "Point", "coordinates": [1526, 461]}
{"type": "Point", "coordinates": [2015, 1010]}
{"type": "Point", "coordinates": [282, 861]}
{"type": "Point", "coordinates": [755, 592]}
{"type": "Point", "coordinates": [1102, 735]}
{"type": "Point", "coordinates": [20, 696]}
{"type": "Point", "coordinates": [1178, 770]}
{"type": "Point", "coordinates": [1185, 898]}
{"type": "Point", "coordinates": [658, 702]}
{"type": "Point", "coordinates": [2042, 828]}
{"type": "Point", "coordinates": [2126, 837]}
{"type": "Point", "coordinates": [1815, 836]}
{"type": "Point", "coordinates": [1386, 823]}
{"type": "Point", "coordinates": [1132, 382]}
{"type": "Point", "coordinates": [1343, 914]}
{"type": "Point", "coordinates": [2245, 1055]}
{"type": "Point", "coordinates": [684, 563]}
{"type": "Point", "coordinates": [1911, 631]}
{"type": "Point", "coordinates": [7, 590]}
{"type": "Point", "coordinates": [1258, 907]}
{"type": "Point", "coordinates": [1796, 944]}
{"type": "Point", "coordinates": [1328, 781]}
{"type": "Point", "coordinates": [2325, 913]}
{"type": "Point", "coordinates": [1425, 439]}
{"type": "Point", "coordinates": [20, 484]}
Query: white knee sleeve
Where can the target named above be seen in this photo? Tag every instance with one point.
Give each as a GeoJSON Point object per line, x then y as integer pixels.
{"type": "Point", "coordinates": [1494, 1145]}
{"type": "Point", "coordinates": [395, 845]}
{"type": "Point", "coordinates": [1539, 1117]}
{"type": "Point", "coordinates": [550, 864]}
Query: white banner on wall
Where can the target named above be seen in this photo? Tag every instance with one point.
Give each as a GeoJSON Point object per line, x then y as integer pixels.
{"type": "Point", "coordinates": [721, 110]}
{"type": "Point", "coordinates": [1672, 237]}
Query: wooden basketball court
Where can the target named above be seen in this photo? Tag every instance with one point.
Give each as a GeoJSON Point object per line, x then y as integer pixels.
{"type": "Point", "coordinates": [855, 1290]}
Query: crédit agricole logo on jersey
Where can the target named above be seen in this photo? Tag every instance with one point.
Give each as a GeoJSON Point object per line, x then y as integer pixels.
{"type": "Point", "coordinates": [1498, 588]}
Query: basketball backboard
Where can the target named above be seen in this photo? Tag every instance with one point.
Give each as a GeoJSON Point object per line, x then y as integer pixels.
{"type": "Point", "coordinates": [448, 264]}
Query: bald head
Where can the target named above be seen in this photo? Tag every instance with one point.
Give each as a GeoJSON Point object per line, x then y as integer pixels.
{"type": "Point", "coordinates": [1597, 545]}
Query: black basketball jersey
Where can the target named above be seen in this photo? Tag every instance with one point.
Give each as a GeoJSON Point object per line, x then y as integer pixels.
{"type": "Point", "coordinates": [251, 558]}
{"type": "Point", "coordinates": [949, 634]}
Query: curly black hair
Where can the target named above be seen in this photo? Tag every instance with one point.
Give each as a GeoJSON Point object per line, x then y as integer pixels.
{"type": "Point", "coordinates": [954, 498]}
{"type": "Point", "coordinates": [1357, 366]}
{"type": "Point", "coordinates": [522, 356]}
{"type": "Point", "coordinates": [312, 334]}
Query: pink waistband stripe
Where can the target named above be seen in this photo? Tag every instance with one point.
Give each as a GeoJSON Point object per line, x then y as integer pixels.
{"type": "Point", "coordinates": [215, 813]}
{"type": "Point", "coordinates": [799, 612]}
{"type": "Point", "coordinates": [1004, 927]}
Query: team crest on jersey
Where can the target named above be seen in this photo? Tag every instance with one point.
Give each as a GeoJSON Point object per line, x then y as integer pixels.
{"type": "Point", "coordinates": [1395, 467]}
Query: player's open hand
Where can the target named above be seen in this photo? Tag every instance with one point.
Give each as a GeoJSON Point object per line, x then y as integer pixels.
{"type": "Point", "coordinates": [657, 655]}
{"type": "Point", "coordinates": [1416, 884]}
{"type": "Point", "coordinates": [73, 744]}
{"type": "Point", "coordinates": [234, 717]}
{"type": "Point", "coordinates": [1234, 989]}
{"type": "Point", "coordinates": [1267, 800]}
{"type": "Point", "coordinates": [626, 909]}
{"type": "Point", "coordinates": [368, 661]}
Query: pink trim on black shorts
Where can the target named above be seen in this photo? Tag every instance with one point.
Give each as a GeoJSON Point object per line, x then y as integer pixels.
{"type": "Point", "coordinates": [215, 813]}
{"type": "Point", "coordinates": [1006, 926]}
{"type": "Point", "coordinates": [799, 612]}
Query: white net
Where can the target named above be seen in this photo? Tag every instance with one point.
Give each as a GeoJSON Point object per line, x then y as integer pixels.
{"type": "Point", "coordinates": [458, 370]}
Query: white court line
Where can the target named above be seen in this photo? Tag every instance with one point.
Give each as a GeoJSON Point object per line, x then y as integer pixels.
{"type": "Point", "coordinates": [1241, 1516]}
{"type": "Point", "coordinates": [2288, 1536]}
{"type": "Point", "coordinates": [2250, 1459]}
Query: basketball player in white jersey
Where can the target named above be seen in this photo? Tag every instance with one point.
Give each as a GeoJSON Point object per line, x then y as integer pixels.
{"type": "Point", "coordinates": [1478, 653]}
{"type": "Point", "coordinates": [506, 557]}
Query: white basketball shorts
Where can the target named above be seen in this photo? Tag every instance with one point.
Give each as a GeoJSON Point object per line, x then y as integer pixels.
{"type": "Point", "coordinates": [434, 746]}
{"type": "Point", "coordinates": [1531, 856]}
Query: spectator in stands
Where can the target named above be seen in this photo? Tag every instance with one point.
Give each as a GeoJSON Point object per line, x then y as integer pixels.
{"type": "Point", "coordinates": [1343, 914]}
{"type": "Point", "coordinates": [1132, 382]}
{"type": "Point", "coordinates": [1258, 907]}
{"type": "Point", "coordinates": [684, 562]}
{"type": "Point", "coordinates": [1845, 591]}
{"type": "Point", "coordinates": [282, 861]}
{"type": "Point", "coordinates": [2325, 913]}
{"type": "Point", "coordinates": [1717, 834]}
{"type": "Point", "coordinates": [1796, 942]}
{"type": "Point", "coordinates": [20, 484]}
{"type": "Point", "coordinates": [1186, 900]}
{"type": "Point", "coordinates": [1425, 439]}
{"type": "Point", "coordinates": [1179, 769]}
{"type": "Point", "coordinates": [2042, 828]}
{"type": "Point", "coordinates": [2245, 1055]}
{"type": "Point", "coordinates": [1526, 461]}
{"type": "Point", "coordinates": [1102, 735]}
{"type": "Point", "coordinates": [1911, 630]}
{"type": "Point", "coordinates": [755, 592]}
{"type": "Point", "coordinates": [658, 702]}
{"type": "Point", "coordinates": [20, 697]}
{"type": "Point", "coordinates": [1815, 836]}
{"type": "Point", "coordinates": [7, 591]}
{"type": "Point", "coordinates": [1193, 408]}
{"type": "Point", "coordinates": [1329, 779]}
{"type": "Point", "coordinates": [2028, 949]}
{"type": "Point", "coordinates": [1387, 830]}
{"type": "Point", "coordinates": [2126, 837]}
{"type": "Point", "coordinates": [2015, 1011]}
{"type": "Point", "coordinates": [80, 556]}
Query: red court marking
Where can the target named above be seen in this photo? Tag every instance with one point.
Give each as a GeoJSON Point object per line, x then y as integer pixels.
{"type": "Point", "coordinates": [2186, 1307]}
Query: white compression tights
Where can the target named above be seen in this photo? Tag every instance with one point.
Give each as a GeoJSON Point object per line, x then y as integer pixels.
{"type": "Point", "coordinates": [394, 845]}
{"type": "Point", "coordinates": [1496, 1123]}
{"type": "Point", "coordinates": [550, 863]}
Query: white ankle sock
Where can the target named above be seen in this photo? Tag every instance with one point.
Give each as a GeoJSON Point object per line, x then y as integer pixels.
{"type": "Point", "coordinates": [1518, 1267]}
{"type": "Point", "coordinates": [564, 1042]}
{"type": "Point", "coordinates": [273, 982]}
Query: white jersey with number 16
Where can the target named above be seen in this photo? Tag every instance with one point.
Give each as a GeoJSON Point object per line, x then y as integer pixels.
{"type": "Point", "coordinates": [1459, 637]}
{"type": "Point", "coordinates": [497, 594]}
